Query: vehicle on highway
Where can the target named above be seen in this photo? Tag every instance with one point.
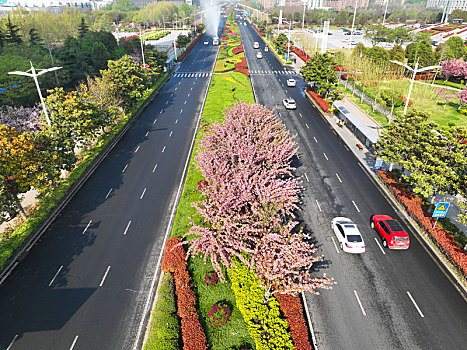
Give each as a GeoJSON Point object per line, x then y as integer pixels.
{"type": "Point", "coordinates": [393, 235]}
{"type": "Point", "coordinates": [244, 23]}
{"type": "Point", "coordinates": [206, 42]}
{"type": "Point", "coordinates": [266, 49]}
{"type": "Point", "coordinates": [215, 41]}
{"type": "Point", "coordinates": [289, 103]}
{"type": "Point", "coordinates": [348, 235]}
{"type": "Point", "coordinates": [291, 82]}
{"type": "Point", "coordinates": [259, 55]}
{"type": "Point", "coordinates": [256, 45]}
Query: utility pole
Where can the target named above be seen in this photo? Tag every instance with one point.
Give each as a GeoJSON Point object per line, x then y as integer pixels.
{"type": "Point", "coordinates": [353, 24]}
{"type": "Point", "coordinates": [385, 11]}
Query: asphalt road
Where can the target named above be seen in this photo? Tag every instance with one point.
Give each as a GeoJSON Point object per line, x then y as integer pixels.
{"type": "Point", "coordinates": [383, 299]}
{"type": "Point", "coordinates": [86, 283]}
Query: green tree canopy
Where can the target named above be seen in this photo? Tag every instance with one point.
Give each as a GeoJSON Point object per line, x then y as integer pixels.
{"type": "Point", "coordinates": [124, 5]}
{"type": "Point", "coordinates": [320, 70]}
{"type": "Point", "coordinates": [456, 46]}
{"type": "Point", "coordinates": [99, 56]}
{"type": "Point", "coordinates": [397, 53]}
{"type": "Point", "coordinates": [12, 36]}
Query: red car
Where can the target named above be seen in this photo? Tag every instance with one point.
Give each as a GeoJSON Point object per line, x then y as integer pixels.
{"type": "Point", "coordinates": [392, 233]}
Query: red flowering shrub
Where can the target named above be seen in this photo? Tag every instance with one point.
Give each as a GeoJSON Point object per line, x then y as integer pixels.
{"type": "Point", "coordinates": [292, 309]}
{"type": "Point", "coordinates": [174, 260]}
{"type": "Point", "coordinates": [414, 205]}
{"type": "Point", "coordinates": [224, 38]}
{"type": "Point", "coordinates": [404, 99]}
{"type": "Point", "coordinates": [184, 53]}
{"type": "Point", "coordinates": [319, 100]}
{"type": "Point", "coordinates": [424, 76]}
{"type": "Point", "coordinates": [243, 70]}
{"type": "Point", "coordinates": [219, 314]}
{"type": "Point", "coordinates": [302, 54]}
{"type": "Point", "coordinates": [257, 30]}
{"type": "Point", "coordinates": [237, 50]}
{"type": "Point", "coordinates": [242, 64]}
{"type": "Point", "coordinates": [211, 278]}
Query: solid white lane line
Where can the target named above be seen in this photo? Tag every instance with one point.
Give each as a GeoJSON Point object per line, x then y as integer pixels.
{"type": "Point", "coordinates": [355, 205]}
{"type": "Point", "coordinates": [142, 194]}
{"type": "Point", "coordinates": [170, 134]}
{"type": "Point", "coordinates": [307, 126]}
{"type": "Point", "coordinates": [147, 134]}
{"type": "Point", "coordinates": [300, 114]}
{"type": "Point", "coordinates": [335, 245]}
{"type": "Point", "coordinates": [108, 194]}
{"type": "Point", "coordinates": [359, 302]}
{"type": "Point", "coordinates": [53, 279]}
{"type": "Point", "coordinates": [176, 121]}
{"type": "Point", "coordinates": [379, 245]}
{"type": "Point", "coordinates": [413, 301]}
{"type": "Point", "coordinates": [124, 168]}
{"type": "Point", "coordinates": [74, 342]}
{"type": "Point", "coordinates": [127, 227]}
{"type": "Point", "coordinates": [163, 149]}
{"type": "Point", "coordinates": [11, 344]}
{"type": "Point", "coordinates": [89, 223]}
{"type": "Point", "coordinates": [319, 207]}
{"type": "Point", "coordinates": [137, 148]}
{"type": "Point", "coordinates": [306, 176]}
{"type": "Point", "coordinates": [155, 120]}
{"type": "Point", "coordinates": [315, 139]}
{"type": "Point", "coordinates": [181, 111]}
{"type": "Point", "coordinates": [105, 275]}
{"type": "Point", "coordinates": [155, 167]}
{"type": "Point", "coordinates": [338, 178]}
{"type": "Point", "coordinates": [325, 156]}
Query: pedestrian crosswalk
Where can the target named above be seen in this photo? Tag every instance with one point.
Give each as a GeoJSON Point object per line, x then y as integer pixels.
{"type": "Point", "coordinates": [191, 75]}
{"type": "Point", "coordinates": [275, 72]}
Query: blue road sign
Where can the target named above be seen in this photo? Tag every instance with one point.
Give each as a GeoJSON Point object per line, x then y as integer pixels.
{"type": "Point", "coordinates": [441, 210]}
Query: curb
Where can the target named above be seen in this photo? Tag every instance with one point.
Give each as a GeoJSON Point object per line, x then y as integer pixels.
{"type": "Point", "coordinates": [426, 244]}
{"type": "Point", "coordinates": [74, 188]}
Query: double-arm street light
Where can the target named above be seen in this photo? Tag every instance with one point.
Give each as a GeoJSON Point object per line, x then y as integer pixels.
{"type": "Point", "coordinates": [415, 71]}
{"type": "Point", "coordinates": [34, 75]}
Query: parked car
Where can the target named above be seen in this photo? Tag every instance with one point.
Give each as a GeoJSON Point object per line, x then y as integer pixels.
{"type": "Point", "coordinates": [393, 235]}
{"type": "Point", "coordinates": [348, 235]}
{"type": "Point", "coordinates": [289, 103]}
{"type": "Point", "coordinates": [259, 55]}
{"type": "Point", "coordinates": [291, 82]}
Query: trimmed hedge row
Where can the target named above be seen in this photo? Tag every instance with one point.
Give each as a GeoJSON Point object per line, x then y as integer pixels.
{"type": "Point", "coordinates": [292, 309]}
{"type": "Point", "coordinates": [319, 100]}
{"type": "Point", "coordinates": [174, 261]}
{"type": "Point", "coordinates": [184, 53]}
{"type": "Point", "coordinates": [265, 325]}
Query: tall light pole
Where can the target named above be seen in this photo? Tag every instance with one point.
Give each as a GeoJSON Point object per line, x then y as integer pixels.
{"type": "Point", "coordinates": [303, 19]}
{"type": "Point", "coordinates": [385, 11]}
{"type": "Point", "coordinates": [415, 71]}
{"type": "Point", "coordinates": [288, 43]}
{"type": "Point", "coordinates": [34, 75]}
{"type": "Point", "coordinates": [142, 46]}
{"type": "Point", "coordinates": [353, 23]}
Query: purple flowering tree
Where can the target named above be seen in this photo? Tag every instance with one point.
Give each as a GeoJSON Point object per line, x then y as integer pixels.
{"type": "Point", "coordinates": [23, 119]}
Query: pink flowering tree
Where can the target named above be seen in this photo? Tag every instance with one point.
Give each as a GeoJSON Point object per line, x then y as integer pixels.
{"type": "Point", "coordinates": [249, 190]}
{"type": "Point", "coordinates": [454, 68]}
{"type": "Point", "coordinates": [462, 96]}
{"type": "Point", "coordinates": [444, 93]}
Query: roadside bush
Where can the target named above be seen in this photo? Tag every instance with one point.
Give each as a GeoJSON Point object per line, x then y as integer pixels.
{"type": "Point", "coordinates": [266, 327]}
{"type": "Point", "coordinates": [319, 100]}
{"type": "Point", "coordinates": [387, 97]}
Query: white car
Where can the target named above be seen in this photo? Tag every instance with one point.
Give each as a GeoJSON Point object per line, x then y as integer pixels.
{"type": "Point", "coordinates": [289, 103]}
{"type": "Point", "coordinates": [348, 235]}
{"type": "Point", "coordinates": [266, 49]}
{"type": "Point", "coordinates": [259, 55]}
{"type": "Point", "coordinates": [206, 42]}
{"type": "Point", "coordinates": [256, 45]}
{"type": "Point", "coordinates": [291, 82]}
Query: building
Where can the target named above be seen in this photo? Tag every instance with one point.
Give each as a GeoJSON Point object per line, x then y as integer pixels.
{"type": "Point", "coordinates": [144, 3]}
{"type": "Point", "coordinates": [343, 4]}
{"type": "Point", "coordinates": [267, 4]}
{"type": "Point", "coordinates": [46, 5]}
{"type": "Point", "coordinates": [448, 5]}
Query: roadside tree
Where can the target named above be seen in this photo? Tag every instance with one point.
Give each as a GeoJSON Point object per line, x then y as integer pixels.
{"type": "Point", "coordinates": [320, 70]}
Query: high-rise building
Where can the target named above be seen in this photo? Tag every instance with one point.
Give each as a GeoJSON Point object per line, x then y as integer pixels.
{"type": "Point", "coordinates": [46, 5]}
{"type": "Point", "coordinates": [448, 5]}
{"type": "Point", "coordinates": [343, 4]}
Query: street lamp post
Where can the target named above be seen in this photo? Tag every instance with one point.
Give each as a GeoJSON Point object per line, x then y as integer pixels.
{"type": "Point", "coordinates": [288, 43]}
{"type": "Point", "coordinates": [415, 71]}
{"type": "Point", "coordinates": [303, 19]}
{"type": "Point", "coordinates": [385, 11]}
{"type": "Point", "coordinates": [353, 23]}
{"type": "Point", "coordinates": [142, 46]}
{"type": "Point", "coordinates": [34, 75]}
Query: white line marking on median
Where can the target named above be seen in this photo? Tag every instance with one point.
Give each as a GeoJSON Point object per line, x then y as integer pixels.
{"type": "Point", "coordinates": [355, 205]}
{"type": "Point", "coordinates": [53, 279]}
{"type": "Point", "coordinates": [105, 275]}
{"type": "Point", "coordinates": [167, 103]}
{"type": "Point", "coordinates": [307, 126]}
{"type": "Point", "coordinates": [359, 302]}
{"type": "Point", "coordinates": [317, 203]}
{"type": "Point", "coordinates": [147, 134]}
{"type": "Point", "coordinates": [155, 120]}
{"type": "Point", "coordinates": [306, 176]}
{"type": "Point", "coordinates": [413, 301]}
{"type": "Point", "coordinates": [155, 167]}
{"type": "Point", "coordinates": [315, 139]}
{"type": "Point", "coordinates": [137, 148]}
{"type": "Point", "coordinates": [176, 89]}
{"type": "Point", "coordinates": [379, 245]}
{"type": "Point", "coordinates": [108, 194]}
{"type": "Point", "coordinates": [127, 227]}
{"type": "Point", "coordinates": [184, 103]}
{"type": "Point", "coordinates": [124, 168]}
{"type": "Point", "coordinates": [11, 344]}
{"type": "Point", "coordinates": [89, 223]}
{"type": "Point", "coordinates": [325, 156]}
{"type": "Point", "coordinates": [142, 194]}
{"type": "Point", "coordinates": [300, 114]}
{"type": "Point", "coordinates": [338, 178]}
{"type": "Point", "coordinates": [170, 134]}
{"type": "Point", "coordinates": [335, 245]}
{"type": "Point", "coordinates": [74, 342]}
{"type": "Point", "coordinates": [190, 90]}
{"type": "Point", "coordinates": [181, 111]}
{"type": "Point", "coordinates": [176, 121]}
{"type": "Point", "coordinates": [163, 149]}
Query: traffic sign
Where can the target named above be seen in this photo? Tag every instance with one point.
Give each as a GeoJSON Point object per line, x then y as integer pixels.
{"type": "Point", "coordinates": [441, 210]}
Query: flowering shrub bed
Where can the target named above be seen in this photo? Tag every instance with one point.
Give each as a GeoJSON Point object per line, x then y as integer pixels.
{"type": "Point", "coordinates": [242, 67]}
{"type": "Point", "coordinates": [424, 76]}
{"type": "Point", "coordinates": [302, 54]}
{"type": "Point", "coordinates": [413, 204]}
{"type": "Point", "coordinates": [257, 30]}
{"type": "Point", "coordinates": [219, 314]}
{"type": "Point", "coordinates": [211, 278]}
{"type": "Point", "coordinates": [319, 100]}
{"type": "Point", "coordinates": [237, 49]}
{"type": "Point", "coordinates": [174, 261]}
{"type": "Point", "coordinates": [291, 307]}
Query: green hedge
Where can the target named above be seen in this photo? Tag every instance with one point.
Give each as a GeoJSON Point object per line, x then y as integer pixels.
{"type": "Point", "coordinates": [165, 326]}
{"type": "Point", "coordinates": [265, 324]}
{"type": "Point", "coordinates": [48, 203]}
{"type": "Point", "coordinates": [450, 84]}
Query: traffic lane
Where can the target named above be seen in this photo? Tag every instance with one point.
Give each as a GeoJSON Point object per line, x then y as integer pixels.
{"type": "Point", "coordinates": [90, 228]}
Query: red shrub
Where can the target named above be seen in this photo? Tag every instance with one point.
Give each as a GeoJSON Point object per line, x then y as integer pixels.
{"type": "Point", "coordinates": [257, 30]}
{"type": "Point", "coordinates": [237, 49]}
{"type": "Point", "coordinates": [414, 205]}
{"type": "Point", "coordinates": [292, 309]}
{"type": "Point", "coordinates": [182, 56]}
{"type": "Point", "coordinates": [243, 70]}
{"type": "Point", "coordinates": [219, 314]}
{"type": "Point", "coordinates": [211, 278]}
{"type": "Point", "coordinates": [302, 54]}
{"type": "Point", "coordinates": [174, 260]}
{"type": "Point", "coordinates": [319, 100]}
{"type": "Point", "coordinates": [242, 64]}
